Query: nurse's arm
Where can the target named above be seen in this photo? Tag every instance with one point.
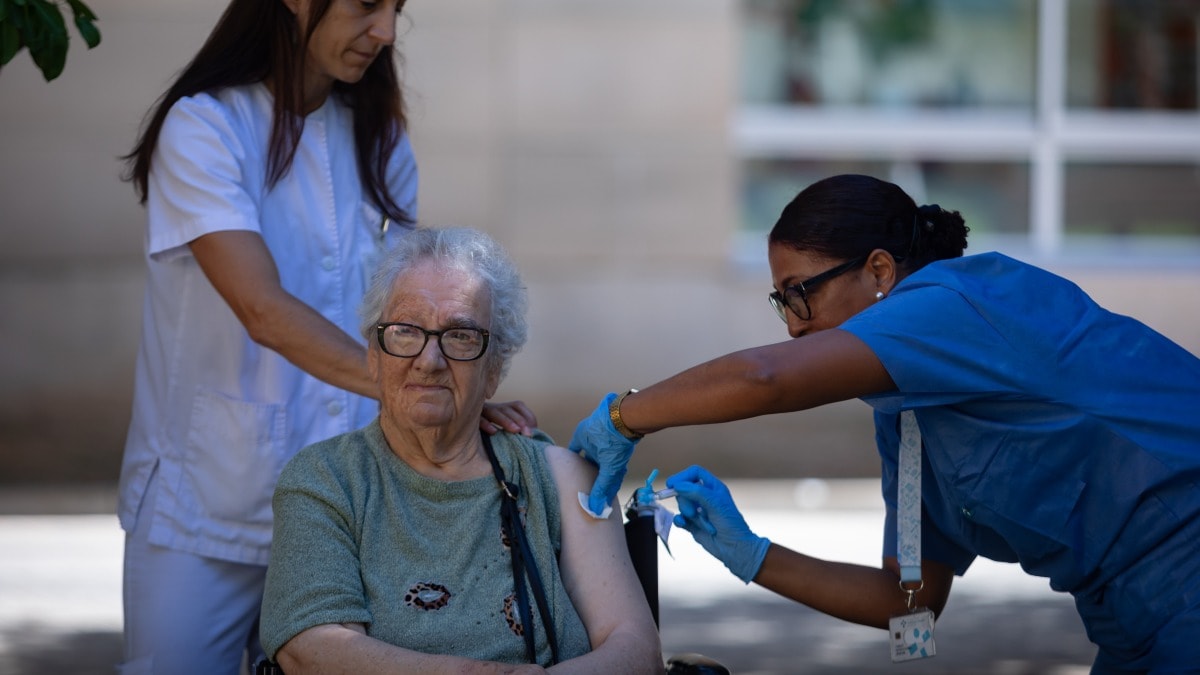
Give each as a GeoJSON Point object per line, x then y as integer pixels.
{"type": "Point", "coordinates": [242, 270]}
{"type": "Point", "coordinates": [802, 373]}
{"type": "Point", "coordinates": [857, 593]}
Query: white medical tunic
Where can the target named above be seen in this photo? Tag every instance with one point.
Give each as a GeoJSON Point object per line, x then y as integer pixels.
{"type": "Point", "coordinates": [214, 413]}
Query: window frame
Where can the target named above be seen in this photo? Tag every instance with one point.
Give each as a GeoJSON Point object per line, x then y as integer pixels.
{"type": "Point", "coordinates": [1047, 139]}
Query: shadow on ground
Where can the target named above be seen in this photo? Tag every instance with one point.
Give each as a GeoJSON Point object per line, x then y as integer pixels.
{"type": "Point", "coordinates": [975, 637]}
{"type": "Point", "coordinates": [752, 636]}
{"type": "Point", "coordinates": [35, 650]}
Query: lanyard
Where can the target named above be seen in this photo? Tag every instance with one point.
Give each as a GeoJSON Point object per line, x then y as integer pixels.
{"type": "Point", "coordinates": [908, 521]}
{"type": "Point", "coordinates": [911, 632]}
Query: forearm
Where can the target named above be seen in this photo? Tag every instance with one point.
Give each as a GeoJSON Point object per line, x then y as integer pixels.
{"type": "Point", "coordinates": [795, 375]}
{"type": "Point", "coordinates": [855, 593]}
{"type": "Point", "coordinates": [313, 344]}
{"type": "Point", "coordinates": [621, 652]}
{"type": "Point", "coordinates": [243, 272]}
{"type": "Point", "coordinates": [333, 649]}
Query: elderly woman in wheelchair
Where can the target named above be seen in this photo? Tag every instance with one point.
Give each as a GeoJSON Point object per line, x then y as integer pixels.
{"type": "Point", "coordinates": [418, 543]}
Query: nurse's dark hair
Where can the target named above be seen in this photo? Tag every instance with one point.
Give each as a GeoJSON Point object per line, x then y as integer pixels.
{"type": "Point", "coordinates": [849, 215]}
{"type": "Point", "coordinates": [256, 40]}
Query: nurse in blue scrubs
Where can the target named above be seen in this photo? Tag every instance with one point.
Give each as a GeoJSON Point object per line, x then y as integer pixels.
{"type": "Point", "coordinates": [1056, 434]}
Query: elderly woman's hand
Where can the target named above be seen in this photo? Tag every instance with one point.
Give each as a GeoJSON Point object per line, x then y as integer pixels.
{"type": "Point", "coordinates": [511, 416]}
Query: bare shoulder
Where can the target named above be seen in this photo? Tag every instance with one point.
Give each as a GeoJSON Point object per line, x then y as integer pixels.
{"type": "Point", "coordinates": [569, 469]}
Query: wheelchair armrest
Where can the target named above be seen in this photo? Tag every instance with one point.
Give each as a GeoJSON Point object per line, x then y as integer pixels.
{"type": "Point", "coordinates": [267, 667]}
{"type": "Point", "coordinates": [694, 664]}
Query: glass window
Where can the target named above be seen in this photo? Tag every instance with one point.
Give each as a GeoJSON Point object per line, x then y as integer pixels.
{"type": "Point", "coordinates": [1057, 127]}
{"type": "Point", "coordinates": [993, 197]}
{"type": "Point", "coordinates": [1151, 207]}
{"type": "Point", "coordinates": [1132, 54]}
{"type": "Point", "coordinates": [890, 53]}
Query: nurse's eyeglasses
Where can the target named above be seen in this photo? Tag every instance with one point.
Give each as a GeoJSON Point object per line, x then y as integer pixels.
{"type": "Point", "coordinates": [407, 341]}
{"type": "Point", "coordinates": [795, 297]}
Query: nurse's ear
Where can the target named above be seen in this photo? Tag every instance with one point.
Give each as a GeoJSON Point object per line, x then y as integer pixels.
{"type": "Point", "coordinates": [884, 271]}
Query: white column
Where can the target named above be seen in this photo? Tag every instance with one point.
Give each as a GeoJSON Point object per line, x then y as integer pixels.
{"type": "Point", "coordinates": [1046, 175]}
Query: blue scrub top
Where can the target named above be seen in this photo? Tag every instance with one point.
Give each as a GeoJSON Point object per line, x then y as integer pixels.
{"type": "Point", "coordinates": [1056, 434]}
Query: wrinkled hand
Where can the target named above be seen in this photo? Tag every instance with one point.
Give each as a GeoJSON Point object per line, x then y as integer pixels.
{"type": "Point", "coordinates": [512, 416]}
{"type": "Point", "coordinates": [597, 440]}
{"type": "Point", "coordinates": [706, 509]}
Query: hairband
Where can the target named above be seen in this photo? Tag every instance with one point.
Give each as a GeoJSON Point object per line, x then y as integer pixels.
{"type": "Point", "coordinates": [922, 221]}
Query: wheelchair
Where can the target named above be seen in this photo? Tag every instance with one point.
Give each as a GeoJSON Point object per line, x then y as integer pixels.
{"type": "Point", "coordinates": [642, 541]}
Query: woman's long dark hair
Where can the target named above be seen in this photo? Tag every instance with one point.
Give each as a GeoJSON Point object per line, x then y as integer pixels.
{"type": "Point", "coordinates": [849, 215]}
{"type": "Point", "coordinates": [257, 40]}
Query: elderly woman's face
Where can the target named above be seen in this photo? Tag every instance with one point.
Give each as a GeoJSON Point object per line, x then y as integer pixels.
{"type": "Point", "coordinates": [430, 390]}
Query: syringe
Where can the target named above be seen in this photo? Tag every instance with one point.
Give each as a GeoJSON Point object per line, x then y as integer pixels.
{"type": "Point", "coordinates": [646, 496]}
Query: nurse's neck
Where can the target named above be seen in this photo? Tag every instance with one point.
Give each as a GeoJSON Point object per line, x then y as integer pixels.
{"type": "Point", "coordinates": [316, 90]}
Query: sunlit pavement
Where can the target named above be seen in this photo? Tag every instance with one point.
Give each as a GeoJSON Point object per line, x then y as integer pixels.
{"type": "Point", "coordinates": [60, 597]}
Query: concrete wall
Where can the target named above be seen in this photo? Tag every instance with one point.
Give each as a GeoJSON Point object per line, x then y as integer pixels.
{"type": "Point", "coordinates": [590, 137]}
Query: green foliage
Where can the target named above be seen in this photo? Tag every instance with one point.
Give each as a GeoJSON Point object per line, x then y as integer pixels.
{"type": "Point", "coordinates": [39, 26]}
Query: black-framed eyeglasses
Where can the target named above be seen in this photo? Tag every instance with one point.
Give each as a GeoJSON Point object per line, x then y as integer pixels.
{"type": "Point", "coordinates": [795, 297]}
{"type": "Point", "coordinates": [408, 340]}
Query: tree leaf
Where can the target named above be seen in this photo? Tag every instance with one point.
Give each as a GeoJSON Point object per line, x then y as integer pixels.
{"type": "Point", "coordinates": [81, 10]}
{"type": "Point", "coordinates": [84, 19]}
{"type": "Point", "coordinates": [39, 26]}
{"type": "Point", "coordinates": [51, 16]}
{"type": "Point", "coordinates": [10, 42]}
{"type": "Point", "coordinates": [49, 50]}
{"type": "Point", "coordinates": [88, 31]}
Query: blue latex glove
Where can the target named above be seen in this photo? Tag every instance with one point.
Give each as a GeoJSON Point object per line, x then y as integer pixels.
{"type": "Point", "coordinates": [597, 440]}
{"type": "Point", "coordinates": [706, 509]}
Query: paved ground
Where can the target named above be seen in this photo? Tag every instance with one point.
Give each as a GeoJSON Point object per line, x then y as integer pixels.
{"type": "Point", "coordinates": [60, 609]}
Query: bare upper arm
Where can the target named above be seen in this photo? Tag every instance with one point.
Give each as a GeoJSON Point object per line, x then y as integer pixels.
{"type": "Point", "coordinates": [595, 563]}
{"type": "Point", "coordinates": [825, 367]}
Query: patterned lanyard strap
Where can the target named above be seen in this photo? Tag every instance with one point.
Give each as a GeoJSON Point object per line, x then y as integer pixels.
{"type": "Point", "coordinates": [909, 508]}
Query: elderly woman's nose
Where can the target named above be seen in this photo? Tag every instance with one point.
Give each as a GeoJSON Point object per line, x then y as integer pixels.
{"type": "Point", "coordinates": [431, 353]}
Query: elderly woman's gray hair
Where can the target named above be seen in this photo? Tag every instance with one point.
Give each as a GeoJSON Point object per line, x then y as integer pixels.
{"type": "Point", "coordinates": [464, 249]}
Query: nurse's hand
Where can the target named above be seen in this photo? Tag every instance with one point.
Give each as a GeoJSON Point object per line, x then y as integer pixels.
{"type": "Point", "coordinates": [598, 441]}
{"type": "Point", "coordinates": [706, 509]}
{"type": "Point", "coordinates": [512, 416]}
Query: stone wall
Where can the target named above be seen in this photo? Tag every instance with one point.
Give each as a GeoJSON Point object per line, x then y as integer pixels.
{"type": "Point", "coordinates": [591, 138]}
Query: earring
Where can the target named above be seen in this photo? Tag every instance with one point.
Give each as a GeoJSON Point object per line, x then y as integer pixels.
{"type": "Point", "coordinates": [878, 296]}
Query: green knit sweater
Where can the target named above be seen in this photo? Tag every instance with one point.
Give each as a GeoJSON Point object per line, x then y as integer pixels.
{"type": "Point", "coordinates": [362, 538]}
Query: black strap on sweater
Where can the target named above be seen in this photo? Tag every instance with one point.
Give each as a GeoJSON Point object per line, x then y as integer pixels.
{"type": "Point", "coordinates": [523, 562]}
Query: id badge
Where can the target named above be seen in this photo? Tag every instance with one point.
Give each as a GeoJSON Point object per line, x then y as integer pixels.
{"type": "Point", "coordinates": [912, 635]}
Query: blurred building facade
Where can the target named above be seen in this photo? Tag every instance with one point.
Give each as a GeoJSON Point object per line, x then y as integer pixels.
{"type": "Point", "coordinates": [631, 155]}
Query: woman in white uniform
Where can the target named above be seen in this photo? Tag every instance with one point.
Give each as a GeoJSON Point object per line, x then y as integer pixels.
{"type": "Point", "coordinates": [274, 171]}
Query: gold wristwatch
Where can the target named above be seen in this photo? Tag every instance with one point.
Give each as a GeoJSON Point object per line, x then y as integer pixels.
{"type": "Point", "coordinates": [614, 413]}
